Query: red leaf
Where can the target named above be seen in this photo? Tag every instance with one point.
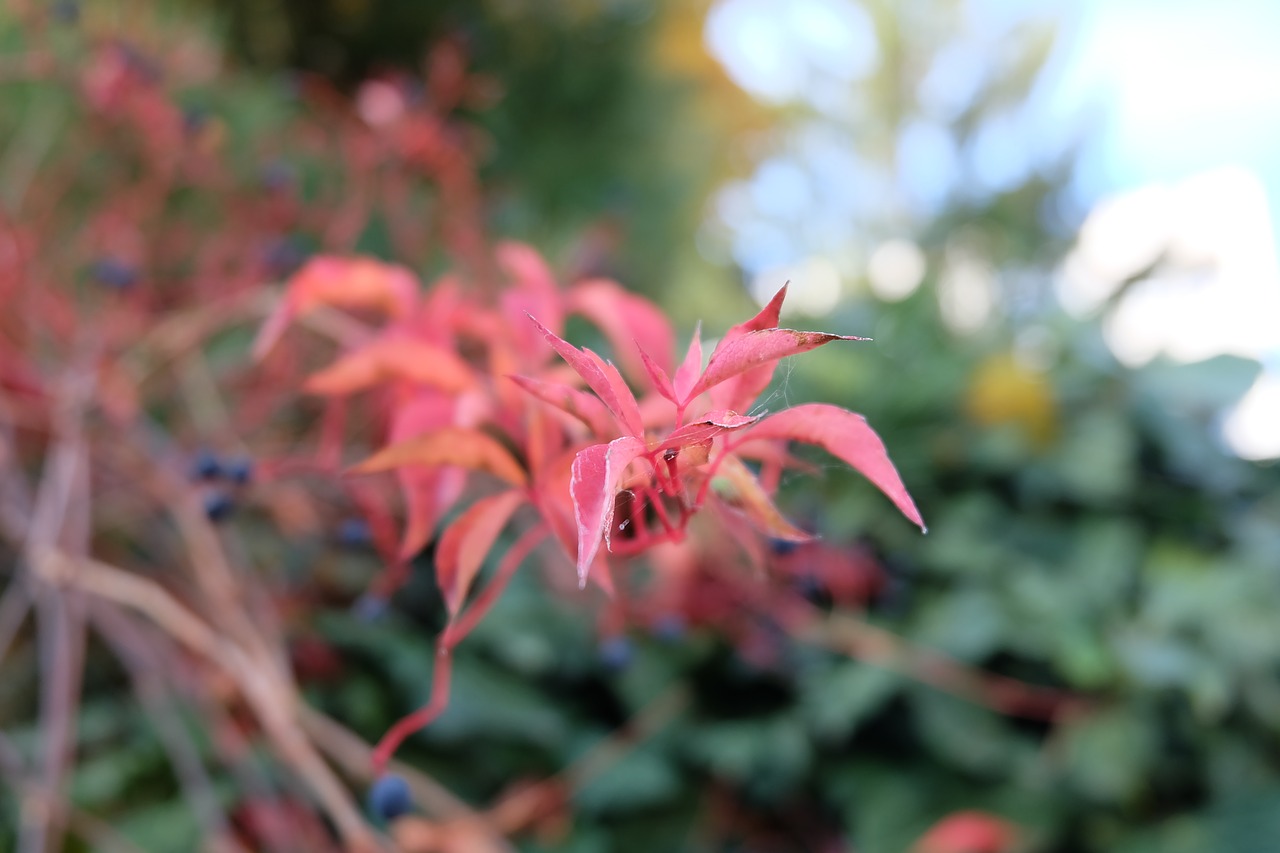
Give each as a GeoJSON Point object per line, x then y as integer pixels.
{"type": "Point", "coordinates": [742, 390]}
{"type": "Point", "coordinates": [466, 543]}
{"type": "Point", "coordinates": [428, 491]}
{"type": "Point", "coordinates": [596, 473]}
{"type": "Point", "coordinates": [601, 377]}
{"type": "Point", "coordinates": [580, 405]}
{"type": "Point", "coordinates": [661, 382]}
{"type": "Point", "coordinates": [766, 319]}
{"type": "Point", "coordinates": [448, 446]}
{"type": "Point", "coordinates": [846, 436]}
{"type": "Point", "coordinates": [344, 283]}
{"type": "Point", "coordinates": [689, 369]}
{"type": "Point", "coordinates": [968, 832]}
{"type": "Point", "coordinates": [706, 428]}
{"type": "Point", "coordinates": [392, 357]}
{"type": "Point", "coordinates": [628, 321]}
{"type": "Point", "coordinates": [753, 350]}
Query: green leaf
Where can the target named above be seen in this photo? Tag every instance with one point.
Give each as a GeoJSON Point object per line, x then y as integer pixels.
{"type": "Point", "coordinates": [642, 779]}
{"type": "Point", "coordinates": [837, 695]}
{"type": "Point", "coordinates": [1108, 754]}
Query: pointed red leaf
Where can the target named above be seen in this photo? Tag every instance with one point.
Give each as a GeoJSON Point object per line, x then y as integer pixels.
{"type": "Point", "coordinates": [753, 350]}
{"type": "Point", "coordinates": [428, 491]}
{"type": "Point", "coordinates": [343, 283]}
{"type": "Point", "coordinates": [594, 480]}
{"type": "Point", "coordinates": [601, 377]}
{"type": "Point", "coordinates": [706, 428]}
{"type": "Point", "coordinates": [689, 370]}
{"type": "Point", "coordinates": [846, 436]}
{"type": "Point", "coordinates": [468, 448]}
{"type": "Point", "coordinates": [742, 390]}
{"type": "Point", "coordinates": [661, 382]}
{"type": "Point", "coordinates": [627, 320]}
{"type": "Point", "coordinates": [766, 319]}
{"type": "Point", "coordinates": [466, 542]}
{"type": "Point", "coordinates": [392, 357]}
{"type": "Point", "coordinates": [579, 404]}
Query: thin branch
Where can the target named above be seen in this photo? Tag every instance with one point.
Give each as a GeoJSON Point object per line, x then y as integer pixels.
{"type": "Point", "coordinates": [272, 698]}
{"type": "Point", "coordinates": [144, 662]}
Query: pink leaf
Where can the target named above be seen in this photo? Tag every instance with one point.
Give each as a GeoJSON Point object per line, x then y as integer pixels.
{"type": "Point", "coordinates": [846, 436]}
{"type": "Point", "coordinates": [766, 319]}
{"type": "Point", "coordinates": [628, 321]}
{"type": "Point", "coordinates": [580, 405]}
{"type": "Point", "coordinates": [969, 832]}
{"type": "Point", "coordinates": [689, 369]}
{"type": "Point", "coordinates": [468, 448]}
{"type": "Point", "coordinates": [392, 357]}
{"type": "Point", "coordinates": [661, 382]}
{"type": "Point", "coordinates": [706, 428]}
{"type": "Point", "coordinates": [343, 283]}
{"type": "Point", "coordinates": [741, 390]}
{"type": "Point", "coordinates": [466, 543]}
{"type": "Point", "coordinates": [753, 350]}
{"type": "Point", "coordinates": [594, 480]}
{"type": "Point", "coordinates": [428, 491]}
{"type": "Point", "coordinates": [601, 377]}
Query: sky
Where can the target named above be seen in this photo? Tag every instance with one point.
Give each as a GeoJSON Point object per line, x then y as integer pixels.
{"type": "Point", "coordinates": [1170, 107]}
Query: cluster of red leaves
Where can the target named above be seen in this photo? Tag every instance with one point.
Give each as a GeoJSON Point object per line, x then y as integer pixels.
{"type": "Point", "coordinates": [483, 397]}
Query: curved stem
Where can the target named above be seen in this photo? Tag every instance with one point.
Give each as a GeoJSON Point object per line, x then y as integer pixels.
{"type": "Point", "coordinates": [424, 716]}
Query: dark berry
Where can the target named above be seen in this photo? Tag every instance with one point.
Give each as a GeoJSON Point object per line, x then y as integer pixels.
{"type": "Point", "coordinates": [205, 466]}
{"type": "Point", "coordinates": [114, 273]}
{"type": "Point", "coordinates": [370, 608]}
{"type": "Point", "coordinates": [194, 119]}
{"type": "Point", "coordinates": [276, 176]}
{"type": "Point", "coordinates": [238, 470]}
{"type": "Point", "coordinates": [812, 589]}
{"type": "Point", "coordinates": [354, 533]}
{"type": "Point", "coordinates": [616, 653]}
{"type": "Point", "coordinates": [670, 627]}
{"type": "Point", "coordinates": [218, 506]}
{"type": "Point", "coordinates": [65, 11]}
{"type": "Point", "coordinates": [390, 797]}
{"type": "Point", "coordinates": [782, 547]}
{"type": "Point", "coordinates": [283, 256]}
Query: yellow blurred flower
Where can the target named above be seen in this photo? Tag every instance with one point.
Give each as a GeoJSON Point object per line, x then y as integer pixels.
{"type": "Point", "coordinates": [1004, 391]}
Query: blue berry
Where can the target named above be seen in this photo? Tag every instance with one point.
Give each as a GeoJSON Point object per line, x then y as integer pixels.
{"type": "Point", "coordinates": [670, 627]}
{"type": "Point", "coordinates": [238, 470]}
{"type": "Point", "coordinates": [205, 466]}
{"type": "Point", "coordinates": [66, 12]}
{"type": "Point", "coordinates": [194, 119]}
{"type": "Point", "coordinates": [616, 653]}
{"type": "Point", "coordinates": [782, 547]}
{"type": "Point", "coordinates": [114, 273]}
{"type": "Point", "coordinates": [276, 176]}
{"type": "Point", "coordinates": [218, 506]}
{"type": "Point", "coordinates": [370, 608]}
{"type": "Point", "coordinates": [283, 256]}
{"type": "Point", "coordinates": [390, 797]}
{"type": "Point", "coordinates": [354, 533]}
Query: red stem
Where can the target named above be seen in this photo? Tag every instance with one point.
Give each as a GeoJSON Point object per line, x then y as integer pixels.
{"type": "Point", "coordinates": [530, 539]}
{"type": "Point", "coordinates": [420, 718]}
